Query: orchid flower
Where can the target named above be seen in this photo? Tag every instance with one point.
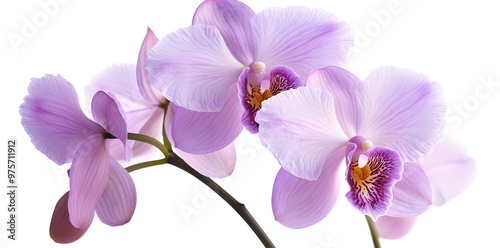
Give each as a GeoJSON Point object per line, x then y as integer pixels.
{"type": "Point", "coordinates": [57, 126]}
{"type": "Point", "coordinates": [198, 67]}
{"type": "Point", "coordinates": [450, 171]}
{"type": "Point", "coordinates": [143, 106]}
{"type": "Point", "coordinates": [145, 112]}
{"type": "Point", "coordinates": [382, 126]}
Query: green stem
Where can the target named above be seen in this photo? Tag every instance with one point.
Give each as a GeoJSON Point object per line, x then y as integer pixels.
{"type": "Point", "coordinates": [179, 163]}
{"type": "Point", "coordinates": [153, 142]}
{"type": "Point", "coordinates": [146, 164]}
{"type": "Point", "coordinates": [237, 206]}
{"type": "Point", "coordinates": [149, 140]}
{"type": "Point", "coordinates": [373, 232]}
{"type": "Point", "coordinates": [145, 139]}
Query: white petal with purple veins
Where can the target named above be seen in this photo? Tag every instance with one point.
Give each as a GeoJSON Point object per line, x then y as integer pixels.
{"type": "Point", "coordinates": [232, 19]}
{"type": "Point", "coordinates": [298, 203]}
{"type": "Point", "coordinates": [299, 127]}
{"type": "Point", "coordinates": [403, 110]}
{"type": "Point", "coordinates": [193, 68]}
{"type": "Point", "coordinates": [300, 38]}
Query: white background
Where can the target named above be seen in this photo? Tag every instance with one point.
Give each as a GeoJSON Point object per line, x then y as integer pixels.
{"type": "Point", "coordinates": [455, 43]}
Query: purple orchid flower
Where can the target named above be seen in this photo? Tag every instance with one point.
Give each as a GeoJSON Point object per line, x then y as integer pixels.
{"type": "Point", "coordinates": [450, 171]}
{"type": "Point", "coordinates": [382, 126]}
{"type": "Point", "coordinates": [145, 106]}
{"type": "Point", "coordinates": [198, 67]}
{"type": "Point", "coordinates": [57, 126]}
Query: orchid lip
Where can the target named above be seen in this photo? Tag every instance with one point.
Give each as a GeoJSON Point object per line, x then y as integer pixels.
{"type": "Point", "coordinates": [371, 184]}
{"type": "Point", "coordinates": [372, 172]}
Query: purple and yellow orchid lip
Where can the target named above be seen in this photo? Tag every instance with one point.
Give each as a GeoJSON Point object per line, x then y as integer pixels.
{"type": "Point", "coordinates": [250, 84]}
{"type": "Point", "coordinates": [371, 174]}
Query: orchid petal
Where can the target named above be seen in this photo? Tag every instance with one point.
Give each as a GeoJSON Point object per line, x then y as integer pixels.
{"type": "Point", "coordinates": [301, 38]}
{"type": "Point", "coordinates": [283, 78]}
{"type": "Point", "coordinates": [403, 110]}
{"type": "Point", "coordinates": [344, 87]}
{"type": "Point", "coordinates": [299, 127]}
{"type": "Point", "coordinates": [121, 81]}
{"type": "Point", "coordinates": [232, 19]}
{"type": "Point", "coordinates": [218, 164]}
{"type": "Point", "coordinates": [118, 201]}
{"type": "Point", "coordinates": [394, 228]}
{"type": "Point", "coordinates": [115, 149]}
{"type": "Point", "coordinates": [298, 203]}
{"type": "Point", "coordinates": [106, 112]}
{"type": "Point", "coordinates": [412, 194]}
{"type": "Point", "coordinates": [142, 116]}
{"type": "Point", "coordinates": [145, 88]}
{"type": "Point", "coordinates": [193, 68]}
{"type": "Point", "coordinates": [371, 185]}
{"type": "Point", "coordinates": [449, 169]}
{"type": "Point", "coordinates": [244, 93]}
{"type": "Point", "coordinates": [109, 114]}
{"type": "Point", "coordinates": [206, 132]}
{"type": "Point", "coordinates": [87, 180]}
{"type": "Point", "coordinates": [52, 117]}
{"type": "Point", "coordinates": [151, 125]}
{"type": "Point", "coordinates": [144, 121]}
{"type": "Point", "coordinates": [61, 230]}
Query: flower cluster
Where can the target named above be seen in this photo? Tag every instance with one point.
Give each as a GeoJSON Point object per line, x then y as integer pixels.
{"type": "Point", "coordinates": [281, 74]}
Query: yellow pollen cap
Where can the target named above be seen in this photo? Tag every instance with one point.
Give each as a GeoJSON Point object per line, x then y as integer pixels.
{"type": "Point", "coordinates": [259, 67]}
{"type": "Point", "coordinates": [366, 145]}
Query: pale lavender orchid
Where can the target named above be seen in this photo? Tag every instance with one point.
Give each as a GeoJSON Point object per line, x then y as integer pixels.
{"type": "Point", "coordinates": [198, 67]}
{"type": "Point", "coordinates": [450, 171]}
{"type": "Point", "coordinates": [144, 107]}
{"type": "Point", "coordinates": [382, 126]}
{"type": "Point", "coordinates": [57, 126]}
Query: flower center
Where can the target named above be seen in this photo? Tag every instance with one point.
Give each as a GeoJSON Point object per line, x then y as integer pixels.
{"type": "Point", "coordinates": [359, 173]}
{"type": "Point", "coordinates": [256, 98]}
{"type": "Point", "coordinates": [372, 172]}
{"type": "Point", "coordinates": [360, 167]}
{"type": "Point", "coordinates": [280, 78]}
{"type": "Point", "coordinates": [254, 95]}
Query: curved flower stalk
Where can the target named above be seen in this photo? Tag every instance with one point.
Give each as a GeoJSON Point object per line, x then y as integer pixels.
{"type": "Point", "coordinates": [382, 126]}
{"type": "Point", "coordinates": [450, 171]}
{"type": "Point", "coordinates": [198, 67]}
{"type": "Point", "coordinates": [57, 126]}
{"type": "Point", "coordinates": [146, 113]}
